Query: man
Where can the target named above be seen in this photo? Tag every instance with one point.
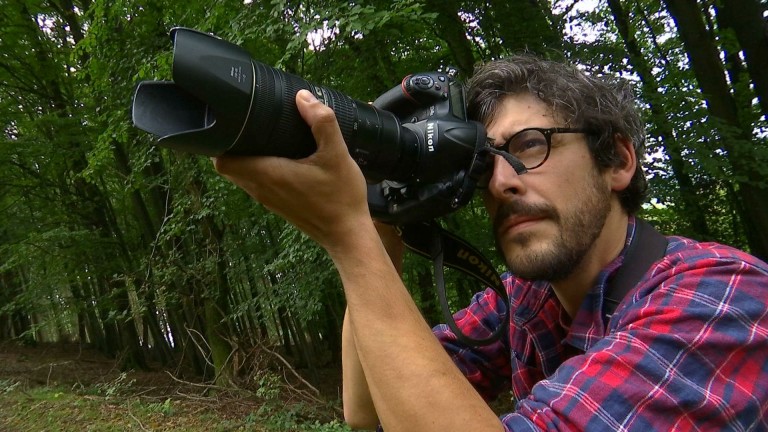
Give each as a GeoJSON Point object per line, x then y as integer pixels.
{"type": "Point", "coordinates": [684, 350]}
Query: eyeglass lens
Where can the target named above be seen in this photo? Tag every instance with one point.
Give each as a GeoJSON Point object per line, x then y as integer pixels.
{"type": "Point", "coordinates": [529, 146]}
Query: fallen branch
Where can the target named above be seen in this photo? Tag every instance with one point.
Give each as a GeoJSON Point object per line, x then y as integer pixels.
{"type": "Point", "coordinates": [204, 386]}
{"type": "Point", "coordinates": [137, 421]}
{"type": "Point", "coordinates": [290, 368]}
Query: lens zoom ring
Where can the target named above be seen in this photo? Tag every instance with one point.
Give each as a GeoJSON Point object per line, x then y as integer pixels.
{"type": "Point", "coordinates": [290, 124]}
{"type": "Point", "coordinates": [345, 110]}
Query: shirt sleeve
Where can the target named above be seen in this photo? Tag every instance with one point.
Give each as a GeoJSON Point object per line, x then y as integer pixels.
{"type": "Point", "coordinates": [687, 351]}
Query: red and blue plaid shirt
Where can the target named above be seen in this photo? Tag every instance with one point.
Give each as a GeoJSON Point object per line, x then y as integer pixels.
{"type": "Point", "coordinates": [687, 349]}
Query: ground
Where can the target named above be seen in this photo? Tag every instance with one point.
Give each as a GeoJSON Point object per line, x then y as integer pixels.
{"type": "Point", "coordinates": [66, 387]}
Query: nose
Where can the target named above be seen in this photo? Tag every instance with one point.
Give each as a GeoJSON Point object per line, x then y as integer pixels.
{"type": "Point", "coordinates": [505, 182]}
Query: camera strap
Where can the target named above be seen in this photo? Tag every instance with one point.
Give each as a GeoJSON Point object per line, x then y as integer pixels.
{"type": "Point", "coordinates": [431, 241]}
{"type": "Point", "coordinates": [647, 247]}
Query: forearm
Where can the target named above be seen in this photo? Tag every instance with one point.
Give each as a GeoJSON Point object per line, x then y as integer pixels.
{"type": "Point", "coordinates": [359, 411]}
{"type": "Point", "coordinates": [413, 383]}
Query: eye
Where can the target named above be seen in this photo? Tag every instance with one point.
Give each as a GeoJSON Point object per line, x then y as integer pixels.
{"type": "Point", "coordinates": [526, 141]}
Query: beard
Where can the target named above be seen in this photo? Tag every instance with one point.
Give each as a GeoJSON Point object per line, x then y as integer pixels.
{"type": "Point", "coordinates": [530, 257]}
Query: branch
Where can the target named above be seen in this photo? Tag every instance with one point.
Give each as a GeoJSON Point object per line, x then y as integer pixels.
{"type": "Point", "coordinates": [290, 368]}
{"type": "Point", "coordinates": [205, 386]}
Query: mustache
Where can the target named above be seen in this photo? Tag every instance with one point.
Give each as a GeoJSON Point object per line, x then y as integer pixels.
{"type": "Point", "coordinates": [519, 208]}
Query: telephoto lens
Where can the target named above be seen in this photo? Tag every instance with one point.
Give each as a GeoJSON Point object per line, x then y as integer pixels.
{"type": "Point", "coordinates": [223, 102]}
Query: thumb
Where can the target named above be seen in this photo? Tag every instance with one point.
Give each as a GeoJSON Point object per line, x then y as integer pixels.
{"type": "Point", "coordinates": [322, 121]}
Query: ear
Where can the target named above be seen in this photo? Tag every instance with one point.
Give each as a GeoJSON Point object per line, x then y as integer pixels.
{"type": "Point", "coordinates": [622, 174]}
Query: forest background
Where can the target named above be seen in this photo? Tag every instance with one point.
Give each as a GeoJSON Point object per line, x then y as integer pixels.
{"type": "Point", "coordinates": [148, 258]}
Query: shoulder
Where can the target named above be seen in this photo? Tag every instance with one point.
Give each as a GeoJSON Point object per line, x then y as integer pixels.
{"type": "Point", "coordinates": [684, 250]}
{"type": "Point", "coordinates": [704, 280]}
{"type": "Point", "coordinates": [697, 327]}
{"type": "Point", "coordinates": [690, 262]}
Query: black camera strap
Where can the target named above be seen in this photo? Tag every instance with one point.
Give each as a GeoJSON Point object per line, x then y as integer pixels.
{"type": "Point", "coordinates": [430, 240]}
{"type": "Point", "coordinates": [647, 247]}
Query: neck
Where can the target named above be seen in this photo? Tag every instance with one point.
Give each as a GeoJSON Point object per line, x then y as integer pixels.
{"type": "Point", "coordinates": [572, 290]}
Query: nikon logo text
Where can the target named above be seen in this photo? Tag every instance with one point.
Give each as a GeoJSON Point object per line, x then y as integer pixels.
{"type": "Point", "coordinates": [477, 263]}
{"type": "Point", "coordinates": [431, 136]}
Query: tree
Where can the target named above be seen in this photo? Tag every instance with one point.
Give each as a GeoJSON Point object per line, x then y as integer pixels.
{"type": "Point", "coordinates": [745, 153]}
{"type": "Point", "coordinates": [659, 105]}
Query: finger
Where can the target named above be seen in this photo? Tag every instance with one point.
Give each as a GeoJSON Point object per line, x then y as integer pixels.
{"type": "Point", "coordinates": [230, 166]}
{"type": "Point", "coordinates": [251, 172]}
{"type": "Point", "coordinates": [322, 120]}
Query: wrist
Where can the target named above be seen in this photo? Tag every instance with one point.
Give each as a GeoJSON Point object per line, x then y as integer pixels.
{"type": "Point", "coordinates": [357, 246]}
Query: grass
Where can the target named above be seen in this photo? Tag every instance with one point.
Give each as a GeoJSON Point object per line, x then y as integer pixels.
{"type": "Point", "coordinates": [62, 409]}
{"type": "Point", "coordinates": [65, 388]}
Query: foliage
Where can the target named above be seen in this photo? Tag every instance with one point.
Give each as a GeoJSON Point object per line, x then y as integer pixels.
{"type": "Point", "coordinates": [291, 420]}
{"type": "Point", "coordinates": [116, 387]}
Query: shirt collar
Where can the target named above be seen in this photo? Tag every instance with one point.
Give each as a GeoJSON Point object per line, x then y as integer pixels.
{"type": "Point", "coordinates": [589, 325]}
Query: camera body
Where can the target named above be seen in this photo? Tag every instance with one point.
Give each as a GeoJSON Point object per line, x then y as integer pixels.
{"type": "Point", "coordinates": [451, 159]}
{"type": "Point", "coordinates": [414, 144]}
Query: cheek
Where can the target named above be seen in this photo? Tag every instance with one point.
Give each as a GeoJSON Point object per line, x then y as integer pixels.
{"type": "Point", "coordinates": [575, 175]}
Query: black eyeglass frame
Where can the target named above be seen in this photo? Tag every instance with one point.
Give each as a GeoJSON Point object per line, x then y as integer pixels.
{"type": "Point", "coordinates": [547, 132]}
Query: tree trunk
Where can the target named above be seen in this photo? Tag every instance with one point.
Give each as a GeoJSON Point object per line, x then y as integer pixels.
{"type": "Point", "coordinates": [427, 295]}
{"type": "Point", "coordinates": [523, 26]}
{"type": "Point", "coordinates": [736, 136]}
{"type": "Point", "coordinates": [448, 26]}
{"type": "Point", "coordinates": [689, 193]}
{"type": "Point", "coordinates": [285, 331]}
{"type": "Point", "coordinates": [132, 356]}
{"type": "Point", "coordinates": [332, 318]}
{"type": "Point", "coordinates": [161, 345]}
{"type": "Point", "coordinates": [90, 321]}
{"type": "Point", "coordinates": [745, 18]}
{"type": "Point", "coordinates": [215, 295]}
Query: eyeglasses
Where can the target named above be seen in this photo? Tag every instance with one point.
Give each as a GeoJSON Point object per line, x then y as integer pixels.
{"type": "Point", "coordinates": [531, 146]}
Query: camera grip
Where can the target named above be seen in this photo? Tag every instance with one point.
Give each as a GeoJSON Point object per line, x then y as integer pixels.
{"type": "Point", "coordinates": [410, 100]}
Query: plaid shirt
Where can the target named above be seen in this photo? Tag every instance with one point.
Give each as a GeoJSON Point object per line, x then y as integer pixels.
{"type": "Point", "coordinates": [687, 349]}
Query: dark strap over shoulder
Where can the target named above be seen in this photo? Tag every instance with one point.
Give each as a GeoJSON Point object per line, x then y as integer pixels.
{"type": "Point", "coordinates": [647, 247]}
{"type": "Point", "coordinates": [431, 241]}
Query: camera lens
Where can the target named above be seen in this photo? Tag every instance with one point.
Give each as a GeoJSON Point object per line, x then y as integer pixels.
{"type": "Point", "coordinates": [376, 139]}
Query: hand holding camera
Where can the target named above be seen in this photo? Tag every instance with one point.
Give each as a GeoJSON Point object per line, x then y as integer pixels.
{"type": "Point", "coordinates": [338, 188]}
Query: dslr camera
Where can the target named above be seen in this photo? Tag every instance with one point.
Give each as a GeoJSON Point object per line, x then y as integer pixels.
{"type": "Point", "coordinates": [417, 150]}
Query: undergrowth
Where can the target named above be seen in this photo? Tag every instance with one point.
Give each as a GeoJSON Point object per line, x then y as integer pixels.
{"type": "Point", "coordinates": [122, 404]}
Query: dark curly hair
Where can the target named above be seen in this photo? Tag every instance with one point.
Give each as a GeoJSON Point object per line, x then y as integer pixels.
{"type": "Point", "coordinates": [606, 106]}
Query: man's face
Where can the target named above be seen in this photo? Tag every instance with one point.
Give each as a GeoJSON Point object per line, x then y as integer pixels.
{"type": "Point", "coordinates": [546, 220]}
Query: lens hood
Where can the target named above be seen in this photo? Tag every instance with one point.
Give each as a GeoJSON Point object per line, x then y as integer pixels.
{"type": "Point", "coordinates": [205, 108]}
